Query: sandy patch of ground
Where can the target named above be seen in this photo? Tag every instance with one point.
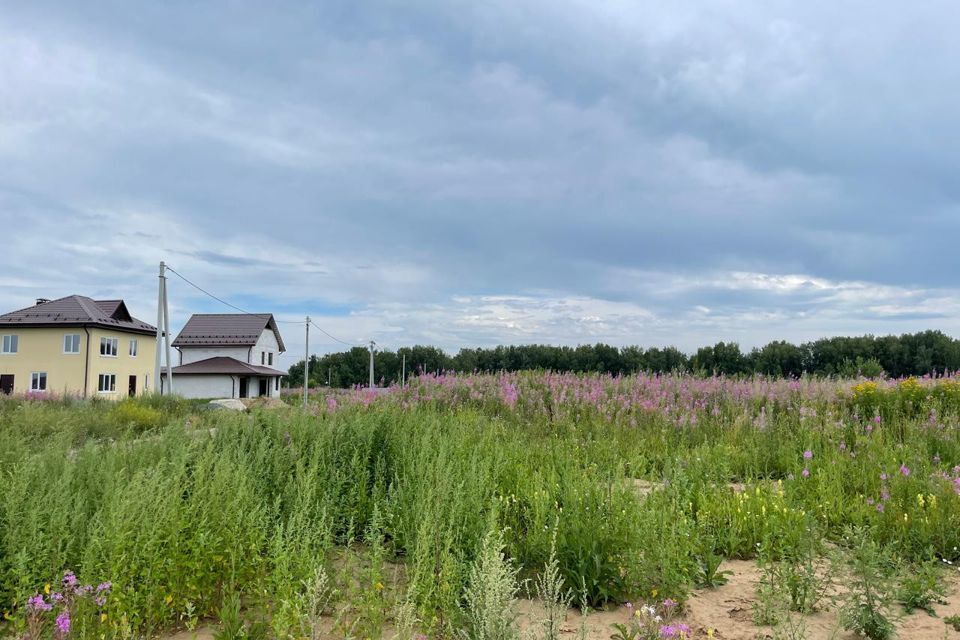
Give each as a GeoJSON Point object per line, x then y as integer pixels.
{"type": "Point", "coordinates": [200, 633]}
{"type": "Point", "coordinates": [727, 610]}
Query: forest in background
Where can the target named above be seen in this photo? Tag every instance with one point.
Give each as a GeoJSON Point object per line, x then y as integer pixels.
{"type": "Point", "coordinates": [911, 354]}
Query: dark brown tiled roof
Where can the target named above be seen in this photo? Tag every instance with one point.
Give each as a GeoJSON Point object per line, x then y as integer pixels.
{"type": "Point", "coordinates": [77, 311]}
{"type": "Point", "coordinates": [225, 366]}
{"type": "Point", "coordinates": [226, 329]}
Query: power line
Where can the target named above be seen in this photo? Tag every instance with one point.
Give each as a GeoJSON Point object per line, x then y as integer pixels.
{"type": "Point", "coordinates": [349, 344]}
{"type": "Point", "coordinates": [233, 306]}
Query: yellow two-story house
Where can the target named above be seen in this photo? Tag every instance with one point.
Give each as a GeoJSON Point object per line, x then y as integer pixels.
{"type": "Point", "coordinates": [76, 346]}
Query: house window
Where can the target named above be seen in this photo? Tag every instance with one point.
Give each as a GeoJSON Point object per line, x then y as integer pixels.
{"type": "Point", "coordinates": [133, 348]}
{"type": "Point", "coordinates": [108, 347]}
{"type": "Point", "coordinates": [38, 381]}
{"type": "Point", "coordinates": [277, 384]}
{"type": "Point", "coordinates": [270, 358]}
{"type": "Point", "coordinates": [10, 344]}
{"type": "Point", "coordinates": [263, 358]}
{"type": "Point", "coordinates": [107, 383]}
{"type": "Point", "coordinates": [71, 343]}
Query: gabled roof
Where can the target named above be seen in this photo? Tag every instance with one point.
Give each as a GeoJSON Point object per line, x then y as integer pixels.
{"type": "Point", "coordinates": [226, 329]}
{"type": "Point", "coordinates": [77, 311]}
{"type": "Point", "coordinates": [224, 365]}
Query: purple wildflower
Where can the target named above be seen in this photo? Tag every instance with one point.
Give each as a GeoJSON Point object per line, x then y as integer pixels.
{"type": "Point", "coordinates": [904, 470]}
{"type": "Point", "coordinates": [63, 623]}
{"type": "Point", "coordinates": [883, 477]}
{"type": "Point", "coordinates": [807, 454]}
{"type": "Point", "coordinates": [37, 603]}
{"type": "Point", "coordinates": [880, 507]}
{"type": "Point", "coordinates": [104, 586]}
{"type": "Point", "coordinates": [876, 419]}
{"type": "Point", "coordinates": [679, 630]}
{"type": "Point", "coordinates": [805, 473]}
{"type": "Point", "coordinates": [69, 580]}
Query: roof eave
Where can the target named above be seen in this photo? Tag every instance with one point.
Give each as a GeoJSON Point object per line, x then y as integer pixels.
{"type": "Point", "coordinates": [80, 324]}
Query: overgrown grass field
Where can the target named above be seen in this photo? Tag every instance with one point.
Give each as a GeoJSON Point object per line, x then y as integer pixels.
{"type": "Point", "coordinates": [428, 510]}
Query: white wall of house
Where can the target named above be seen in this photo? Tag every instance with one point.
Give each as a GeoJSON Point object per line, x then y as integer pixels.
{"type": "Point", "coordinates": [195, 354]}
{"type": "Point", "coordinates": [219, 386]}
{"type": "Point", "coordinates": [205, 386]}
{"type": "Point", "coordinates": [265, 345]}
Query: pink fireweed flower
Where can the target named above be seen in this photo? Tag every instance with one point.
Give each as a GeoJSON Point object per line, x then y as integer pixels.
{"type": "Point", "coordinates": [63, 623]}
{"type": "Point", "coordinates": [679, 630]}
{"type": "Point", "coordinates": [37, 603]}
{"type": "Point", "coordinates": [876, 419]}
{"type": "Point", "coordinates": [331, 403]}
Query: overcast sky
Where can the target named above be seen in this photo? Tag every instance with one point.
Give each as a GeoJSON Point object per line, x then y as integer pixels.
{"type": "Point", "coordinates": [468, 174]}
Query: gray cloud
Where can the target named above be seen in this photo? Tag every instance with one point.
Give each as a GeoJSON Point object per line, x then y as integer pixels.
{"type": "Point", "coordinates": [501, 172]}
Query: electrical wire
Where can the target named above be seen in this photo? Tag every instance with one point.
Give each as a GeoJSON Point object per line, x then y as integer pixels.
{"type": "Point", "coordinates": [233, 306]}
{"type": "Point", "coordinates": [318, 328]}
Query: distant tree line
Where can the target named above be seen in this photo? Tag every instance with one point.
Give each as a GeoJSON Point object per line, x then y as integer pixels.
{"type": "Point", "coordinates": [908, 354]}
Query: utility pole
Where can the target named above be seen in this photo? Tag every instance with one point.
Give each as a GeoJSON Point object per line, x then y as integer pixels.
{"type": "Point", "coordinates": [163, 331]}
{"type": "Point", "coordinates": [329, 376]}
{"type": "Point", "coordinates": [403, 372]}
{"type": "Point", "coordinates": [372, 345]}
{"type": "Point", "coordinates": [166, 330]}
{"type": "Point", "coordinates": [156, 364]}
{"type": "Point", "coordinates": [306, 364]}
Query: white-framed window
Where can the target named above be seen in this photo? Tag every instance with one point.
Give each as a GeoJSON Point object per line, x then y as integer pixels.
{"type": "Point", "coordinates": [10, 343]}
{"type": "Point", "coordinates": [108, 347]}
{"type": "Point", "coordinates": [38, 381]}
{"type": "Point", "coordinates": [107, 383]}
{"type": "Point", "coordinates": [263, 357]}
{"type": "Point", "coordinates": [133, 348]}
{"type": "Point", "coordinates": [270, 358]}
{"type": "Point", "coordinates": [71, 343]}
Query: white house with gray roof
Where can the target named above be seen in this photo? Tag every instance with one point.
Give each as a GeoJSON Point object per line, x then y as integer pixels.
{"type": "Point", "coordinates": [228, 355]}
